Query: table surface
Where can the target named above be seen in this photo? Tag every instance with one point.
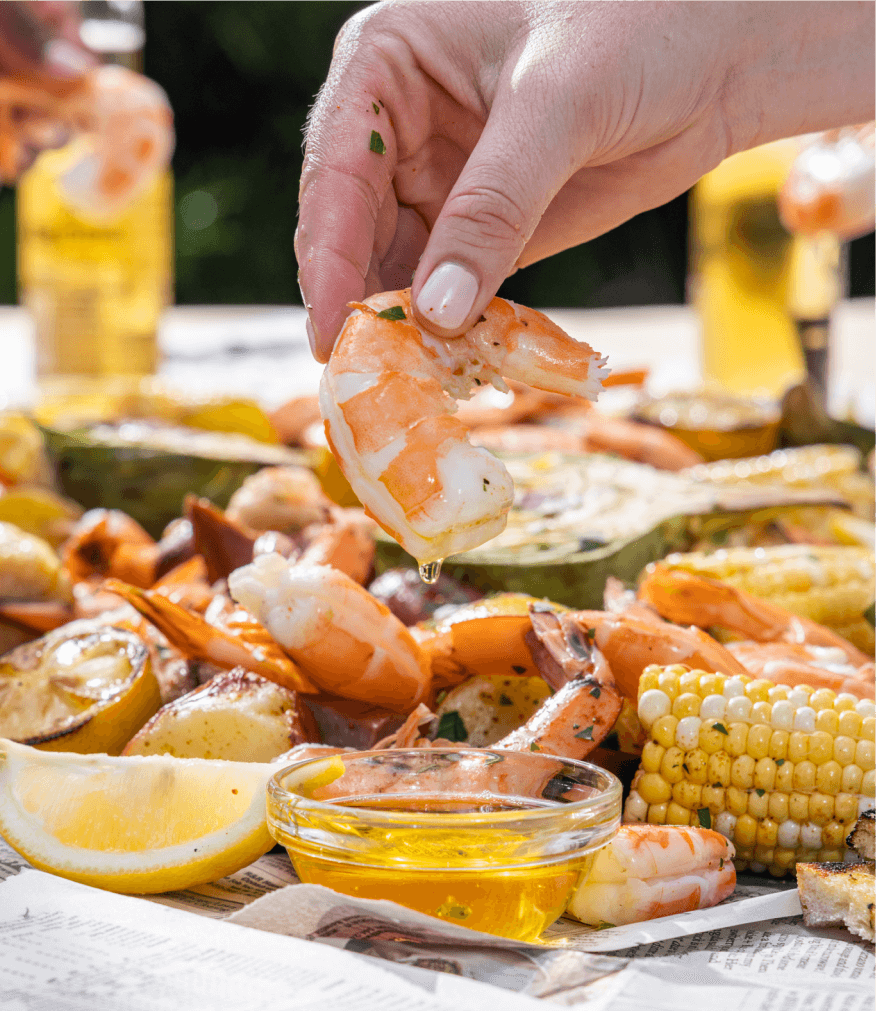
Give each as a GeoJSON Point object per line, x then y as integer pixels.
{"type": "Point", "coordinates": [262, 351]}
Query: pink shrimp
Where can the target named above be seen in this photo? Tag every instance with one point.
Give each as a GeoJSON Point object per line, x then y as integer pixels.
{"type": "Point", "coordinates": [387, 396]}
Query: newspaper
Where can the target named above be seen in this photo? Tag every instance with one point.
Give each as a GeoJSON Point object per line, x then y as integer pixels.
{"type": "Point", "coordinates": [752, 952]}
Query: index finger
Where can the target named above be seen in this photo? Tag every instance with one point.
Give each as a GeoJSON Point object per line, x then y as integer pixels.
{"type": "Point", "coordinates": [349, 163]}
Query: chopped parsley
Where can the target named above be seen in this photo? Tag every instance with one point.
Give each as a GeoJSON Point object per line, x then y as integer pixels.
{"type": "Point", "coordinates": [493, 759]}
{"type": "Point", "coordinates": [705, 817]}
{"type": "Point", "coordinates": [760, 793]}
{"type": "Point", "coordinates": [720, 728]}
{"type": "Point", "coordinates": [596, 691]}
{"type": "Point", "coordinates": [393, 312]}
{"type": "Point", "coordinates": [376, 108]}
{"type": "Point", "coordinates": [780, 761]}
{"type": "Point", "coordinates": [518, 669]}
{"type": "Point", "coordinates": [451, 727]}
{"type": "Point", "coordinates": [504, 700]}
{"type": "Point", "coordinates": [586, 734]}
{"type": "Point", "coordinates": [534, 747]}
{"type": "Point", "coordinates": [377, 145]}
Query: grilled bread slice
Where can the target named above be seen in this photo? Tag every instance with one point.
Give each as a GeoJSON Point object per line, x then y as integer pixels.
{"type": "Point", "coordinates": [861, 838]}
{"type": "Point", "coordinates": [838, 894]}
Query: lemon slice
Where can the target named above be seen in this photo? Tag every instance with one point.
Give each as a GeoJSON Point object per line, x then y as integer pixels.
{"type": "Point", "coordinates": [133, 824]}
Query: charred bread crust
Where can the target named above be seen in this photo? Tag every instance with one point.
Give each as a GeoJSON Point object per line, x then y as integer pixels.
{"type": "Point", "coordinates": [861, 838]}
{"type": "Point", "coordinates": [838, 894]}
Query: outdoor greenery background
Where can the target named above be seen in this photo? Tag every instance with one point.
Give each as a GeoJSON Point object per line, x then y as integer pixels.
{"type": "Point", "coordinates": [241, 76]}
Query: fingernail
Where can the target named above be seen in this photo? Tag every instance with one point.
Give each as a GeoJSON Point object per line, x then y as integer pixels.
{"type": "Point", "coordinates": [447, 297]}
{"type": "Point", "coordinates": [311, 336]}
{"type": "Point", "coordinates": [63, 59]}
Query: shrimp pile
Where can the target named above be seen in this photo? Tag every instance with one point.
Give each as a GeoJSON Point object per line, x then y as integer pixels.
{"type": "Point", "coordinates": [387, 400]}
{"type": "Point", "coordinates": [122, 127]}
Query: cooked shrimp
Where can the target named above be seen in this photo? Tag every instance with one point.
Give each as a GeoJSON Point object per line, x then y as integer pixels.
{"type": "Point", "coordinates": [831, 184]}
{"type": "Point", "coordinates": [647, 871]}
{"type": "Point", "coordinates": [697, 600]}
{"type": "Point", "coordinates": [122, 128]}
{"type": "Point", "coordinates": [279, 498]}
{"type": "Point", "coordinates": [108, 542]}
{"type": "Point", "coordinates": [345, 640]}
{"type": "Point", "coordinates": [346, 543]}
{"type": "Point", "coordinates": [794, 664]}
{"type": "Point", "coordinates": [387, 396]}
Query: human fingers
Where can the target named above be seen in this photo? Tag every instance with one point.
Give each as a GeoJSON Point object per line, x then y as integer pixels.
{"type": "Point", "coordinates": [40, 41]}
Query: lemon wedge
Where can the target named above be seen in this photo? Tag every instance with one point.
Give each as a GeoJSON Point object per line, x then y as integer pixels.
{"type": "Point", "coordinates": [133, 824]}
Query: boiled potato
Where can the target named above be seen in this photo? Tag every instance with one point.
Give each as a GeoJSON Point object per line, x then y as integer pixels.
{"type": "Point", "coordinates": [489, 708]}
{"type": "Point", "coordinates": [236, 716]}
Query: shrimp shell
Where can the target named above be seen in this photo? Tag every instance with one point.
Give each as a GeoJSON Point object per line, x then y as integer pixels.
{"type": "Point", "coordinates": [387, 398]}
{"type": "Point", "coordinates": [648, 871]}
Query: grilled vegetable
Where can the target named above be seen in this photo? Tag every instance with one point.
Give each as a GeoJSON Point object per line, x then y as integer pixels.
{"type": "Point", "coordinates": [781, 772]}
{"type": "Point", "coordinates": [29, 567]}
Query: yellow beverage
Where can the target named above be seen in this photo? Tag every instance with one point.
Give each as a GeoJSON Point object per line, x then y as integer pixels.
{"type": "Point", "coordinates": [95, 289]}
{"type": "Point", "coordinates": [742, 265]}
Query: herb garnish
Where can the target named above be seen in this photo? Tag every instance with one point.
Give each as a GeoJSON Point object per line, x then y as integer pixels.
{"type": "Point", "coordinates": [451, 727]}
{"type": "Point", "coordinates": [377, 145]}
{"type": "Point", "coordinates": [393, 312]}
{"type": "Point", "coordinates": [705, 817]}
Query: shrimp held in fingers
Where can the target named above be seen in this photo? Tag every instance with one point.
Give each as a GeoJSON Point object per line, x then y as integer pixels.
{"type": "Point", "coordinates": [647, 871]}
{"type": "Point", "coordinates": [345, 640]}
{"type": "Point", "coordinates": [387, 400]}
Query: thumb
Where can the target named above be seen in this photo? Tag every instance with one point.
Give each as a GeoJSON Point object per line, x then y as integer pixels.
{"type": "Point", "coordinates": [509, 179]}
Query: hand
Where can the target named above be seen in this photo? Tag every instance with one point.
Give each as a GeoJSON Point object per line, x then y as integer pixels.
{"type": "Point", "coordinates": [465, 140]}
{"type": "Point", "coordinates": [40, 41]}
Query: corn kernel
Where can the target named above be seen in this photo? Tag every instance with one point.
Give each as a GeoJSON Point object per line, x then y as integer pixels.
{"type": "Point", "coordinates": [778, 693]}
{"type": "Point", "coordinates": [765, 774]}
{"type": "Point", "coordinates": [844, 749]}
{"type": "Point", "coordinates": [713, 708]}
{"type": "Point", "coordinates": [798, 746]}
{"type": "Point", "coordinates": [849, 723]}
{"type": "Point", "coordinates": [670, 767]}
{"type": "Point", "coordinates": [779, 744]}
{"type": "Point", "coordinates": [653, 705]}
{"type": "Point", "coordinates": [734, 687]}
{"type": "Point", "coordinates": [719, 769]}
{"type": "Point", "coordinates": [767, 834]}
{"type": "Point", "coordinates": [820, 747]}
{"type": "Point", "coordinates": [845, 807]}
{"type": "Point", "coordinates": [737, 800]}
{"type": "Point", "coordinates": [784, 776]}
{"type": "Point", "coordinates": [804, 777]}
{"type": "Point", "coordinates": [782, 715]}
{"type": "Point", "coordinates": [686, 704]}
{"type": "Point", "coordinates": [668, 682]}
{"type": "Point", "coordinates": [654, 789]}
{"type": "Point", "coordinates": [810, 836]}
{"type": "Point", "coordinates": [725, 823]}
{"type": "Point", "coordinates": [827, 721]}
{"type": "Point", "coordinates": [737, 738]}
{"type": "Point", "coordinates": [864, 755]}
{"type": "Point", "coordinates": [687, 733]}
{"type": "Point", "coordinates": [746, 830]}
{"type": "Point", "coordinates": [804, 720]}
{"type": "Point", "coordinates": [844, 701]}
{"type": "Point", "coordinates": [789, 834]}
{"type": "Point", "coordinates": [826, 855]}
{"type": "Point", "coordinates": [833, 834]}
{"type": "Point", "coordinates": [799, 807]}
{"type": "Point", "coordinates": [853, 776]}
{"type": "Point", "coordinates": [742, 772]}
{"type": "Point", "coordinates": [763, 855]}
{"type": "Point", "coordinates": [689, 682]}
{"type": "Point", "coordinates": [759, 740]}
{"type": "Point", "coordinates": [711, 740]}
{"type": "Point", "coordinates": [663, 730]}
{"type": "Point", "coordinates": [677, 815]}
{"type": "Point", "coordinates": [829, 778]}
{"type": "Point", "coordinates": [867, 783]}
{"type": "Point", "coordinates": [784, 859]}
{"type": "Point", "coordinates": [778, 807]}
{"type": "Point", "coordinates": [696, 765]}
{"type": "Point", "coordinates": [821, 808]}
{"type": "Point", "coordinates": [868, 728]}
{"type": "Point", "coordinates": [762, 712]}
{"type": "Point", "coordinates": [738, 709]}
{"type": "Point", "coordinates": [689, 795]}
{"type": "Point", "coordinates": [758, 804]}
{"type": "Point", "coordinates": [648, 680]}
{"type": "Point", "coordinates": [635, 808]}
{"type": "Point", "coordinates": [711, 684]}
{"type": "Point", "coordinates": [657, 814]}
{"type": "Point", "coordinates": [758, 690]}
{"type": "Point", "coordinates": [652, 756]}
{"type": "Point", "coordinates": [822, 699]}
{"type": "Point", "coordinates": [713, 798]}
{"type": "Point", "coordinates": [806, 856]}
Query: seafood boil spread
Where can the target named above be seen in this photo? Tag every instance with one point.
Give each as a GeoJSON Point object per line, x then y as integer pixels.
{"type": "Point", "coordinates": [637, 674]}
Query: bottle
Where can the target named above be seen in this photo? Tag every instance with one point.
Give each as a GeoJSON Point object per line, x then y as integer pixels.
{"type": "Point", "coordinates": [742, 262]}
{"type": "Point", "coordinates": [95, 288]}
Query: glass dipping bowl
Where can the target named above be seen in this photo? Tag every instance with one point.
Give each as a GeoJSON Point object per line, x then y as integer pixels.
{"type": "Point", "coordinates": [492, 840]}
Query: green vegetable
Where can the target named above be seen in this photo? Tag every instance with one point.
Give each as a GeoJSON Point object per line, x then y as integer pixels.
{"type": "Point", "coordinates": [705, 817]}
{"type": "Point", "coordinates": [451, 727]}
{"type": "Point", "coordinates": [393, 312]}
{"type": "Point", "coordinates": [377, 145]}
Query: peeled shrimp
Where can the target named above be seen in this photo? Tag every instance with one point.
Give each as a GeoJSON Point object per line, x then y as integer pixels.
{"type": "Point", "coordinates": [387, 397]}
{"type": "Point", "coordinates": [279, 498]}
{"type": "Point", "coordinates": [795, 664]}
{"type": "Point", "coordinates": [647, 871]}
{"type": "Point", "coordinates": [345, 640]}
{"type": "Point", "coordinates": [122, 128]}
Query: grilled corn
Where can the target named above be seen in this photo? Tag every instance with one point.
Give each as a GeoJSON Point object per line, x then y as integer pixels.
{"type": "Point", "coordinates": [782, 772]}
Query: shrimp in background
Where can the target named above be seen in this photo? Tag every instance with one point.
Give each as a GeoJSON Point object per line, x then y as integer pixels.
{"type": "Point", "coordinates": [387, 397]}
{"type": "Point", "coordinates": [122, 128]}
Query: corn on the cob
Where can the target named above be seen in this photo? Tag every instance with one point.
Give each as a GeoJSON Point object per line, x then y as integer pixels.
{"type": "Point", "coordinates": [782, 772]}
{"type": "Point", "coordinates": [830, 585]}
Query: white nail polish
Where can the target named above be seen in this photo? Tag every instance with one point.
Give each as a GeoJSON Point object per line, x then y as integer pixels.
{"type": "Point", "coordinates": [447, 297]}
{"type": "Point", "coordinates": [63, 59]}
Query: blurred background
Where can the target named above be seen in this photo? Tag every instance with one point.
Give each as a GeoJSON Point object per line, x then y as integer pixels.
{"type": "Point", "coordinates": [241, 77]}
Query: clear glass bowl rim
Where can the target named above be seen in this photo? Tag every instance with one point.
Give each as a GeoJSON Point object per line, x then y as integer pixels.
{"type": "Point", "coordinates": [600, 803]}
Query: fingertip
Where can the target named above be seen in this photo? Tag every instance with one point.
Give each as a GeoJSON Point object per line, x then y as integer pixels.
{"type": "Point", "coordinates": [446, 300]}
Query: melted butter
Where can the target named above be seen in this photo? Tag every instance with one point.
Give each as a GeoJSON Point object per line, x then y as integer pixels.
{"type": "Point", "coordinates": [430, 571]}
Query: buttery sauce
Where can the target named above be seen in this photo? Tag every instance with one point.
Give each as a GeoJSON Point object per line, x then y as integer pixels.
{"type": "Point", "coordinates": [467, 883]}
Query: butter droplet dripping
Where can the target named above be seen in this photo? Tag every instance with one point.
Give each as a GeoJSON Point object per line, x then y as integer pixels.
{"type": "Point", "coordinates": [430, 572]}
